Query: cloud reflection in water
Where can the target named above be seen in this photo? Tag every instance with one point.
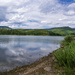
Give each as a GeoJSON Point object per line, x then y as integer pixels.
{"type": "Point", "coordinates": [22, 50]}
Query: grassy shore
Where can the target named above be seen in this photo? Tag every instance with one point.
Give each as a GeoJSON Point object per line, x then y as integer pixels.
{"type": "Point", "coordinates": [60, 62]}
{"type": "Point", "coordinates": [66, 56]}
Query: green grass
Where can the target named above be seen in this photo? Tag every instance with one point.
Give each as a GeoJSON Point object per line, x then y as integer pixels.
{"type": "Point", "coordinates": [66, 56]}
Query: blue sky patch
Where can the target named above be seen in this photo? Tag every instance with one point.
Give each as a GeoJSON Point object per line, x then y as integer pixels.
{"type": "Point", "coordinates": [66, 1]}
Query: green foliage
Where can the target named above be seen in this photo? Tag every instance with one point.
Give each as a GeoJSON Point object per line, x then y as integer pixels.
{"type": "Point", "coordinates": [63, 30]}
{"type": "Point", "coordinates": [52, 33]}
{"type": "Point", "coordinates": [37, 32]}
{"type": "Point", "coordinates": [66, 56]}
{"type": "Point", "coordinates": [73, 33]}
{"type": "Point", "coordinates": [67, 40]}
{"type": "Point", "coordinates": [26, 32]}
{"type": "Point", "coordinates": [11, 32]}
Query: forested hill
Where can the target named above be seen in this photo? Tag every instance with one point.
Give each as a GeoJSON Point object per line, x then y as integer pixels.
{"type": "Point", "coordinates": [4, 27]}
{"type": "Point", "coordinates": [59, 31]}
{"type": "Point", "coordinates": [63, 30]}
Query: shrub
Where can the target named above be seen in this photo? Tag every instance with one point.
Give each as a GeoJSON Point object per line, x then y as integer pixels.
{"type": "Point", "coordinates": [67, 40]}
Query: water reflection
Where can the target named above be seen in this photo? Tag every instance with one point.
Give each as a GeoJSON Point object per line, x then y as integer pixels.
{"type": "Point", "coordinates": [22, 50]}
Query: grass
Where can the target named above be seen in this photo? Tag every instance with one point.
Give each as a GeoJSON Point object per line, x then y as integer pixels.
{"type": "Point", "coordinates": [66, 55]}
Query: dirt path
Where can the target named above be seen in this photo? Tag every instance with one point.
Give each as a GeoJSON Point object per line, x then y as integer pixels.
{"type": "Point", "coordinates": [33, 69]}
{"type": "Point", "coordinates": [38, 69]}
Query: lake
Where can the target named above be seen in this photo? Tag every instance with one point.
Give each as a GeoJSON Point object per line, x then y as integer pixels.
{"type": "Point", "coordinates": [22, 50]}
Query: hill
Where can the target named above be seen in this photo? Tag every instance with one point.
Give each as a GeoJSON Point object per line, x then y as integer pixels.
{"type": "Point", "coordinates": [4, 27]}
{"type": "Point", "coordinates": [58, 31]}
{"type": "Point", "coordinates": [63, 30]}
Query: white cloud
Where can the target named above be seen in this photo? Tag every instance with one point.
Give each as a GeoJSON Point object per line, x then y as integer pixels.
{"type": "Point", "coordinates": [47, 13]}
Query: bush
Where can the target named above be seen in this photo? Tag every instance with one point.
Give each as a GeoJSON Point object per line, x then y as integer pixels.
{"type": "Point", "coordinates": [67, 40]}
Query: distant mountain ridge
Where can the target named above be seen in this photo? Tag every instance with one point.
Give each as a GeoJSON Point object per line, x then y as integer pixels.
{"type": "Point", "coordinates": [4, 27]}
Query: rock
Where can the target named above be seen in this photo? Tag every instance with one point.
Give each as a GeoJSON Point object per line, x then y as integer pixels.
{"type": "Point", "coordinates": [55, 61]}
{"type": "Point", "coordinates": [47, 68]}
{"type": "Point", "coordinates": [53, 58]}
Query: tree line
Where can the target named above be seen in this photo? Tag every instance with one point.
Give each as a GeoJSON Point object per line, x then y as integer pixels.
{"type": "Point", "coordinates": [27, 32]}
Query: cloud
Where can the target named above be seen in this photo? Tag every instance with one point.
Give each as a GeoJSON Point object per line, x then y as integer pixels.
{"type": "Point", "coordinates": [70, 10]}
{"type": "Point", "coordinates": [50, 6]}
{"type": "Point", "coordinates": [3, 13]}
{"type": "Point", "coordinates": [36, 13]}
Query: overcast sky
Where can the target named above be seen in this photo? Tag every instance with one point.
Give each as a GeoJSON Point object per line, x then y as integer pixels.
{"type": "Point", "coordinates": [35, 14]}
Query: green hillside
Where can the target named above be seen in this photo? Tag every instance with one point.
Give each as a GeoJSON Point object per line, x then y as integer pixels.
{"type": "Point", "coordinates": [27, 32]}
{"type": "Point", "coordinates": [60, 31]}
{"type": "Point", "coordinates": [40, 32]}
{"type": "Point", "coordinates": [63, 30]}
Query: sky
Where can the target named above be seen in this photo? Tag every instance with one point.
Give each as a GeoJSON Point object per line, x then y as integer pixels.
{"type": "Point", "coordinates": [37, 14]}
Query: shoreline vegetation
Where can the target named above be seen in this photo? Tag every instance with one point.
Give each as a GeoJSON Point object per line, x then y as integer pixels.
{"type": "Point", "coordinates": [59, 31]}
{"type": "Point", "coordinates": [59, 62]}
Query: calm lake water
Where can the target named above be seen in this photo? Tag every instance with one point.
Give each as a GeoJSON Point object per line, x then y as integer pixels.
{"type": "Point", "coordinates": [22, 50]}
